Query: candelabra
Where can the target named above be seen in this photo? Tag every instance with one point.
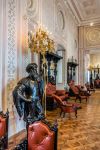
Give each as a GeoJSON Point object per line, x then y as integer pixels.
{"type": "Point", "coordinates": [40, 43]}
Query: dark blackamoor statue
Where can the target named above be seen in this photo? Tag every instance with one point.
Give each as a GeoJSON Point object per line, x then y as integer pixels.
{"type": "Point", "coordinates": [27, 93]}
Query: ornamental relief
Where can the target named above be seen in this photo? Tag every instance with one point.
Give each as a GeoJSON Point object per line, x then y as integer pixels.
{"type": "Point", "coordinates": [12, 50]}
{"type": "Point", "coordinates": [92, 37]}
{"type": "Point", "coordinates": [60, 18]}
{"type": "Point", "coordinates": [29, 3]}
{"type": "Point", "coordinates": [32, 8]}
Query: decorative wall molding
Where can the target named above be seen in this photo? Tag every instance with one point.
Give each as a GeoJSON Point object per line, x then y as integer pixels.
{"type": "Point", "coordinates": [1, 45]}
{"type": "Point", "coordinates": [11, 50]}
{"type": "Point", "coordinates": [60, 17]}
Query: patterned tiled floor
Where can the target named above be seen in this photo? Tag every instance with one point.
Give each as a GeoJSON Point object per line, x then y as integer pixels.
{"type": "Point", "coordinates": [82, 133]}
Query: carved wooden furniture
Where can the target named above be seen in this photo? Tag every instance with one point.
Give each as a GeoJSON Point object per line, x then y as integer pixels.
{"type": "Point", "coordinates": [65, 106]}
{"type": "Point", "coordinates": [40, 136]}
{"type": "Point", "coordinates": [51, 89]}
{"type": "Point", "coordinates": [89, 89]}
{"type": "Point", "coordinates": [97, 83]}
{"type": "Point", "coordinates": [4, 130]}
{"type": "Point", "coordinates": [75, 92]}
{"type": "Point", "coordinates": [71, 69]}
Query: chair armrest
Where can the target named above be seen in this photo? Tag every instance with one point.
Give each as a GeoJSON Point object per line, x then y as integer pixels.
{"type": "Point", "coordinates": [66, 104]}
{"type": "Point", "coordinates": [60, 92]}
{"type": "Point", "coordinates": [22, 146]}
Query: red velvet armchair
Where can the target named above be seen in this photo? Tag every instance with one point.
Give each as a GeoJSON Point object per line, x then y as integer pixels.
{"type": "Point", "coordinates": [4, 130]}
{"type": "Point", "coordinates": [65, 106]}
{"type": "Point", "coordinates": [50, 90]}
{"type": "Point", "coordinates": [74, 91]}
{"type": "Point", "coordinates": [40, 136]}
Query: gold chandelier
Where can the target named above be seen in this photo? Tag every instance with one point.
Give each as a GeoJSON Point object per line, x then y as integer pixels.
{"type": "Point", "coordinates": [40, 42]}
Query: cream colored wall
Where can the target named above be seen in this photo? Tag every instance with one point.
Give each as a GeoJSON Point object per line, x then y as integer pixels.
{"type": "Point", "coordinates": [16, 19]}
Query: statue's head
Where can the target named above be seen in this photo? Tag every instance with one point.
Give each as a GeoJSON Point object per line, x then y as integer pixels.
{"type": "Point", "coordinates": [32, 70]}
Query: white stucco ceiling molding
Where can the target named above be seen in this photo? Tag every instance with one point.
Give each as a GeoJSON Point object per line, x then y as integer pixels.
{"type": "Point", "coordinates": [73, 11]}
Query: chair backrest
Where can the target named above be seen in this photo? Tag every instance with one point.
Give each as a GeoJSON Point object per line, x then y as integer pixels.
{"type": "Point", "coordinates": [50, 89]}
{"type": "Point", "coordinates": [63, 105]}
{"type": "Point", "coordinates": [75, 89]}
{"type": "Point", "coordinates": [40, 137]}
{"type": "Point", "coordinates": [60, 92]}
{"type": "Point", "coordinates": [4, 129]}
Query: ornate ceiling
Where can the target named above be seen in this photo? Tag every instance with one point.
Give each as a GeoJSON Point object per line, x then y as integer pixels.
{"type": "Point", "coordinates": [86, 11]}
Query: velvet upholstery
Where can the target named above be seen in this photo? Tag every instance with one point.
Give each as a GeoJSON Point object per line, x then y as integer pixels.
{"type": "Point", "coordinates": [2, 126]}
{"type": "Point", "coordinates": [65, 106]}
{"type": "Point", "coordinates": [4, 130]}
{"type": "Point", "coordinates": [74, 91]}
{"type": "Point", "coordinates": [97, 83]}
{"type": "Point", "coordinates": [40, 137]}
{"type": "Point", "coordinates": [51, 89]}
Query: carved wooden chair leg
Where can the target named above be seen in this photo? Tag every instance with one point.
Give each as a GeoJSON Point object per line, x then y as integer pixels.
{"type": "Point", "coordinates": [63, 114]}
{"type": "Point", "coordinates": [76, 113]}
{"type": "Point", "coordinates": [80, 99]}
{"type": "Point", "coordinates": [60, 113]}
{"type": "Point", "coordinates": [69, 116]}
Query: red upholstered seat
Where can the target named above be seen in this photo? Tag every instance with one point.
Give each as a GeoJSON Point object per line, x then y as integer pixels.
{"type": "Point", "coordinates": [51, 89]}
{"type": "Point", "coordinates": [65, 106]}
{"type": "Point", "coordinates": [40, 137]}
{"type": "Point", "coordinates": [4, 130]}
{"type": "Point", "coordinates": [2, 126]}
{"type": "Point", "coordinates": [77, 93]}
